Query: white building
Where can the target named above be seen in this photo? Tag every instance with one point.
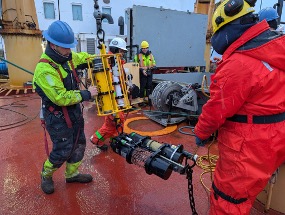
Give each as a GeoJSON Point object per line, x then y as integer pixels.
{"type": "Point", "coordinates": [79, 15]}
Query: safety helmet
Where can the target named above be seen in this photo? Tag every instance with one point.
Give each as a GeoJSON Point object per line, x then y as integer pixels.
{"type": "Point", "coordinates": [230, 10]}
{"type": "Point", "coordinates": [144, 44]}
{"type": "Point", "coordinates": [60, 34]}
{"type": "Point", "coordinates": [268, 14]}
{"type": "Point", "coordinates": [118, 43]}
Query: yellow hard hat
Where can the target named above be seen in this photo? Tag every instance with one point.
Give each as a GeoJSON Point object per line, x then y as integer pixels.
{"type": "Point", "coordinates": [144, 44]}
{"type": "Point", "coordinates": [230, 10]}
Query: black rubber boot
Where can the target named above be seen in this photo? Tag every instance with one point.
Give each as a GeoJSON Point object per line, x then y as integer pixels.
{"type": "Point", "coordinates": [47, 185]}
{"type": "Point", "coordinates": [81, 178]}
{"type": "Point", "coordinates": [103, 147]}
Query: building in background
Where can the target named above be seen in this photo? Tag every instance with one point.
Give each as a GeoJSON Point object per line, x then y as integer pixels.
{"type": "Point", "coordinates": [79, 15]}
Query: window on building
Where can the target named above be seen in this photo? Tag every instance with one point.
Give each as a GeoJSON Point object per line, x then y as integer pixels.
{"type": "Point", "coordinates": [49, 10]}
{"type": "Point", "coordinates": [106, 10]}
{"type": "Point", "coordinates": [77, 12]}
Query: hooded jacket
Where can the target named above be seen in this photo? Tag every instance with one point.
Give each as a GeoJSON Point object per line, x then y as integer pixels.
{"type": "Point", "coordinates": [250, 80]}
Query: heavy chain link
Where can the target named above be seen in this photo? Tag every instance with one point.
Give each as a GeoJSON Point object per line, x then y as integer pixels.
{"type": "Point", "coordinates": [189, 172]}
{"type": "Point", "coordinates": [101, 37]}
{"type": "Point", "coordinates": [98, 17]}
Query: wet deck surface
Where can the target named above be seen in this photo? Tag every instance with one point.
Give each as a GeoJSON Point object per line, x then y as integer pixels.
{"type": "Point", "coordinates": [118, 187]}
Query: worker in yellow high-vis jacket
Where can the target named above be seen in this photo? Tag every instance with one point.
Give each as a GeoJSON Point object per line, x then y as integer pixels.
{"type": "Point", "coordinates": [56, 81]}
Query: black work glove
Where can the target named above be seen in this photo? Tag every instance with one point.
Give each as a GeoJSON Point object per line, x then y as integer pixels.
{"type": "Point", "coordinates": [200, 142]}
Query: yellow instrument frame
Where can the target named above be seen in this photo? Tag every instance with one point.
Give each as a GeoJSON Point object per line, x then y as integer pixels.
{"type": "Point", "coordinates": [106, 103]}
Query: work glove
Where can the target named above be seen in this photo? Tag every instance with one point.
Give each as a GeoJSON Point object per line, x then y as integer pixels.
{"type": "Point", "coordinates": [200, 142]}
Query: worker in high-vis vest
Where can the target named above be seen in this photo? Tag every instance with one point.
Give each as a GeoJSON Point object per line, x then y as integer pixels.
{"type": "Point", "coordinates": [146, 62]}
{"type": "Point", "coordinates": [56, 82]}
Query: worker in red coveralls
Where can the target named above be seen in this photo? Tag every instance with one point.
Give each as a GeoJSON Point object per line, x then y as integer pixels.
{"type": "Point", "coordinates": [247, 106]}
{"type": "Point", "coordinates": [112, 125]}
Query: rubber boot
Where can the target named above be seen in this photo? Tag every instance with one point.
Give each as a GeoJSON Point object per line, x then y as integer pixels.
{"type": "Point", "coordinates": [72, 174]}
{"type": "Point", "coordinates": [96, 138]}
{"type": "Point", "coordinates": [46, 177]}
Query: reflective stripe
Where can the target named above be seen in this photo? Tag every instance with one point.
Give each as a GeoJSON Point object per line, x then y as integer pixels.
{"type": "Point", "coordinates": [48, 169]}
{"type": "Point", "coordinates": [267, 66]}
{"type": "Point", "coordinates": [100, 137]}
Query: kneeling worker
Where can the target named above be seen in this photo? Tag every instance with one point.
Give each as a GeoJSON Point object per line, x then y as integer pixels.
{"type": "Point", "coordinates": [112, 125]}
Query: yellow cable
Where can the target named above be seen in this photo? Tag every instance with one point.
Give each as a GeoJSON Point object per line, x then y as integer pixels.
{"type": "Point", "coordinates": [208, 164]}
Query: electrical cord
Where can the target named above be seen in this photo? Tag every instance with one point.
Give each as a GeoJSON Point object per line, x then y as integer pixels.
{"type": "Point", "coordinates": [19, 123]}
{"type": "Point", "coordinates": [208, 164]}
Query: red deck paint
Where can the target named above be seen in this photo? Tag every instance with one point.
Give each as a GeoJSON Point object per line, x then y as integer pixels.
{"type": "Point", "coordinates": [118, 187]}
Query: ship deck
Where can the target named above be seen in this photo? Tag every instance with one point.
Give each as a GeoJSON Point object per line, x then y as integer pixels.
{"type": "Point", "coordinates": [118, 187]}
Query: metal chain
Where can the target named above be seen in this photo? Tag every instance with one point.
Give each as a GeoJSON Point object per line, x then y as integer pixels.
{"type": "Point", "coordinates": [189, 172]}
{"type": "Point", "coordinates": [100, 31]}
{"type": "Point", "coordinates": [100, 36]}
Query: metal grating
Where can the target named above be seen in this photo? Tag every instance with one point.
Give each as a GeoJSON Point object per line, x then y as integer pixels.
{"type": "Point", "coordinates": [90, 45]}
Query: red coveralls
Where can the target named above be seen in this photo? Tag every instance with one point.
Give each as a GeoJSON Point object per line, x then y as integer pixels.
{"type": "Point", "coordinates": [109, 128]}
{"type": "Point", "coordinates": [247, 82]}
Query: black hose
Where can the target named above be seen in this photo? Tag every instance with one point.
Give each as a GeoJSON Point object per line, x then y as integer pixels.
{"type": "Point", "coordinates": [20, 122]}
{"type": "Point", "coordinates": [187, 133]}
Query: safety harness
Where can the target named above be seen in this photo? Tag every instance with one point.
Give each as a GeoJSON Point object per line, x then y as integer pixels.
{"type": "Point", "coordinates": [64, 108]}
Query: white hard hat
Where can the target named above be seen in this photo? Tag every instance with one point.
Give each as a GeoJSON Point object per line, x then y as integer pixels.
{"type": "Point", "coordinates": [118, 43]}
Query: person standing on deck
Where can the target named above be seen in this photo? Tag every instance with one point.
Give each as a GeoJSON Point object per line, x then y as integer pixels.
{"type": "Point", "coordinates": [56, 81]}
{"type": "Point", "coordinates": [249, 117]}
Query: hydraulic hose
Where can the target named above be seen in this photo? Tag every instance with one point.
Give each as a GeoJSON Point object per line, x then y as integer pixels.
{"type": "Point", "coordinates": [25, 70]}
